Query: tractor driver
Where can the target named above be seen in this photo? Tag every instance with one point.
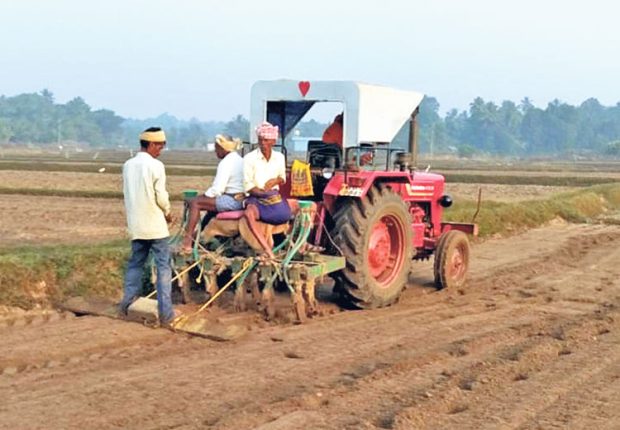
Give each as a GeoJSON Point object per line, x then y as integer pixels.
{"type": "Point", "coordinates": [225, 194]}
{"type": "Point", "coordinates": [264, 170]}
{"type": "Point", "coordinates": [333, 135]}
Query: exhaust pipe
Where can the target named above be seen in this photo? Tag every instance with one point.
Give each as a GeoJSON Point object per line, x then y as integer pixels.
{"type": "Point", "coordinates": [413, 138]}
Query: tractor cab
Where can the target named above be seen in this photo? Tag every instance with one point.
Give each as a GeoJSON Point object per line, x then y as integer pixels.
{"type": "Point", "coordinates": [373, 115]}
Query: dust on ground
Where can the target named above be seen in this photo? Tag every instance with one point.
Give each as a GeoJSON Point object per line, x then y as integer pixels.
{"type": "Point", "coordinates": [532, 341]}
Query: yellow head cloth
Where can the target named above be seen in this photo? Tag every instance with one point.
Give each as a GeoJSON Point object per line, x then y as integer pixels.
{"type": "Point", "coordinates": [153, 136]}
{"type": "Point", "coordinates": [226, 144]}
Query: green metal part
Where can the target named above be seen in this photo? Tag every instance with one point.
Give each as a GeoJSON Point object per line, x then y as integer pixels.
{"type": "Point", "coordinates": [321, 265]}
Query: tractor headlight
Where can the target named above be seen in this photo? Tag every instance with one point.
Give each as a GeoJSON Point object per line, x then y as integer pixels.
{"type": "Point", "coordinates": [327, 172]}
{"type": "Point", "coordinates": [445, 201]}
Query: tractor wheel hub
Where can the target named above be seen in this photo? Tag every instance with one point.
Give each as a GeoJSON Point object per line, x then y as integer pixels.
{"type": "Point", "coordinates": [379, 248]}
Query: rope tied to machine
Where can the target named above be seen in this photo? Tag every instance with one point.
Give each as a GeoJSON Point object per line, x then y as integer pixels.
{"type": "Point", "coordinates": [247, 264]}
{"type": "Point", "coordinates": [181, 273]}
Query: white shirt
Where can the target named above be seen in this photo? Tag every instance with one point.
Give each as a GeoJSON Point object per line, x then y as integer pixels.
{"type": "Point", "coordinates": [257, 170]}
{"type": "Point", "coordinates": [228, 177]}
{"type": "Point", "coordinates": [146, 198]}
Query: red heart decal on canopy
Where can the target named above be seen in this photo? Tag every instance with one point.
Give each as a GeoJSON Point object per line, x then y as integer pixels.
{"type": "Point", "coordinates": [304, 87]}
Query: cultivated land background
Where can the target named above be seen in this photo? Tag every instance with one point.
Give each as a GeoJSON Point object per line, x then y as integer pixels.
{"type": "Point", "coordinates": [532, 341]}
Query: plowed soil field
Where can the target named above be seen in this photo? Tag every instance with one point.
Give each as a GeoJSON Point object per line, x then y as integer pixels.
{"type": "Point", "coordinates": [63, 220]}
{"type": "Point", "coordinates": [91, 182]}
{"type": "Point", "coordinates": [29, 219]}
{"type": "Point", "coordinates": [532, 342]}
{"type": "Point", "coordinates": [97, 182]}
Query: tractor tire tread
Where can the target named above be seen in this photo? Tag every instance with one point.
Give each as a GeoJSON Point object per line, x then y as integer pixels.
{"type": "Point", "coordinates": [351, 224]}
{"type": "Point", "coordinates": [447, 243]}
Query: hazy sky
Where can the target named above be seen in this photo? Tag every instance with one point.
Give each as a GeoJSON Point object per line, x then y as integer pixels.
{"type": "Point", "coordinates": [196, 58]}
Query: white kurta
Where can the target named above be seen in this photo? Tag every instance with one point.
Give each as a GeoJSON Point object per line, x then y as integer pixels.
{"type": "Point", "coordinates": [257, 170]}
{"type": "Point", "coordinates": [228, 177]}
{"type": "Point", "coordinates": [146, 198]}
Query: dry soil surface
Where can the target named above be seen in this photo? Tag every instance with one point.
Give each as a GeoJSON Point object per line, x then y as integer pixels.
{"type": "Point", "coordinates": [81, 181]}
{"type": "Point", "coordinates": [532, 342]}
{"type": "Point", "coordinates": [538, 172]}
{"type": "Point", "coordinates": [27, 220]}
{"type": "Point", "coordinates": [76, 220]}
{"type": "Point", "coordinates": [503, 193]}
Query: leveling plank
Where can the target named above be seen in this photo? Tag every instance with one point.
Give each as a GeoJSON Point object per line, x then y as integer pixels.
{"type": "Point", "coordinates": [143, 310]}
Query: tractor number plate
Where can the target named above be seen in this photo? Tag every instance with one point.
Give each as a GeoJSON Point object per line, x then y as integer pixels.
{"type": "Point", "coordinates": [350, 191]}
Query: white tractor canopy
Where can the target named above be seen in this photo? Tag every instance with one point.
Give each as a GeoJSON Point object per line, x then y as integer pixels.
{"type": "Point", "coordinates": [372, 113]}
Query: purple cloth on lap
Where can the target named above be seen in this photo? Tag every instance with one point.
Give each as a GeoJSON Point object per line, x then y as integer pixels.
{"type": "Point", "coordinates": [272, 208]}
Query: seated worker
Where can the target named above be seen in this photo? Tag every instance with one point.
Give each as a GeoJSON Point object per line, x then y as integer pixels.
{"type": "Point", "coordinates": [333, 135]}
{"type": "Point", "coordinates": [225, 194]}
{"type": "Point", "coordinates": [264, 170]}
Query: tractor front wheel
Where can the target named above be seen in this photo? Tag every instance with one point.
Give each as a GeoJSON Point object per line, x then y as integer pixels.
{"type": "Point", "coordinates": [374, 235]}
{"type": "Point", "coordinates": [451, 260]}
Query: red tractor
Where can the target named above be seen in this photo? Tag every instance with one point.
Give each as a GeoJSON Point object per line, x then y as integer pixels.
{"type": "Point", "coordinates": [379, 215]}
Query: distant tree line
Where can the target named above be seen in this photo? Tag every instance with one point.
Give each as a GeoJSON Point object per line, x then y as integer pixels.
{"type": "Point", "coordinates": [485, 128]}
{"type": "Point", "coordinates": [521, 130]}
{"type": "Point", "coordinates": [36, 119]}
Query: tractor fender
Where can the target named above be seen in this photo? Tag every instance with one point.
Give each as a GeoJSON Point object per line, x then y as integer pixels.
{"type": "Point", "coordinates": [470, 229]}
{"type": "Point", "coordinates": [357, 184]}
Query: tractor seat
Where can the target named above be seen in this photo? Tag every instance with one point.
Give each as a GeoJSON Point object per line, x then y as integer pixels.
{"type": "Point", "coordinates": [232, 223]}
{"type": "Point", "coordinates": [229, 215]}
{"type": "Point", "coordinates": [237, 215]}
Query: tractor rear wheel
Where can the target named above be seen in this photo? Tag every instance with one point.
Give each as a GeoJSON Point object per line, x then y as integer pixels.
{"type": "Point", "coordinates": [451, 259]}
{"type": "Point", "coordinates": [374, 235]}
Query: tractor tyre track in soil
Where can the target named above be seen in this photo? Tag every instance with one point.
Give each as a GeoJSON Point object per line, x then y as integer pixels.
{"type": "Point", "coordinates": [531, 341]}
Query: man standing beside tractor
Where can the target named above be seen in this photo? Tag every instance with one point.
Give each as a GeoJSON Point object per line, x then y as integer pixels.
{"type": "Point", "coordinates": [148, 215]}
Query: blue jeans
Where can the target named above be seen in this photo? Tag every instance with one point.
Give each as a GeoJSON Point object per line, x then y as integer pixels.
{"type": "Point", "coordinates": [133, 278]}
